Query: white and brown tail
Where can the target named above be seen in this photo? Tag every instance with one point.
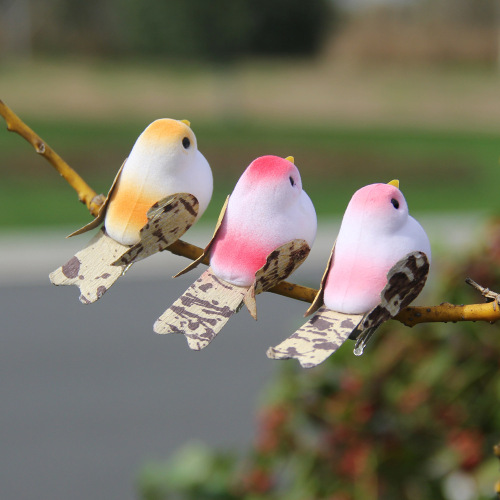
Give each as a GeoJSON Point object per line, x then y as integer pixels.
{"type": "Point", "coordinates": [91, 269]}
{"type": "Point", "coordinates": [95, 268]}
{"type": "Point", "coordinates": [317, 339]}
{"type": "Point", "coordinates": [202, 311]}
{"type": "Point", "coordinates": [327, 330]}
{"type": "Point", "coordinates": [209, 302]}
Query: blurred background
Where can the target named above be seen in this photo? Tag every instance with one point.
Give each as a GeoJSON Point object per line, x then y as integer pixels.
{"type": "Point", "coordinates": [358, 91]}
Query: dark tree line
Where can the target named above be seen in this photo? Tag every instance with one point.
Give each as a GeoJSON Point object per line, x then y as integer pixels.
{"type": "Point", "coordinates": [215, 30]}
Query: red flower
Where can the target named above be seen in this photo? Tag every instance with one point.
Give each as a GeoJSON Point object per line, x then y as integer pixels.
{"type": "Point", "coordinates": [355, 460]}
{"type": "Point", "coordinates": [468, 444]}
{"type": "Point", "coordinates": [257, 481]}
{"type": "Point", "coordinates": [271, 423]}
{"type": "Point", "coordinates": [412, 398]}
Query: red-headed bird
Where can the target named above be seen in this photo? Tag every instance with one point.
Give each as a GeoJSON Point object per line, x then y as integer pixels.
{"type": "Point", "coordinates": [264, 233]}
{"type": "Point", "coordinates": [378, 265]}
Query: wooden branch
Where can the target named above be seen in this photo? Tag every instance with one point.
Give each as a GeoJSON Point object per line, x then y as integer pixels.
{"type": "Point", "coordinates": [445, 313]}
{"type": "Point", "coordinates": [85, 193]}
{"type": "Point", "coordinates": [410, 316]}
{"type": "Point", "coordinates": [284, 288]}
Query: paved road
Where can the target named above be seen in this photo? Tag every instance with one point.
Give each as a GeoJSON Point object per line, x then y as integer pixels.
{"type": "Point", "coordinates": [89, 393]}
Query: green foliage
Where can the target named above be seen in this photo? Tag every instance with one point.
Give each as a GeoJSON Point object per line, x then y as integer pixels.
{"type": "Point", "coordinates": [215, 31]}
{"type": "Point", "coordinates": [188, 28]}
{"type": "Point", "coordinates": [289, 27]}
{"type": "Point", "coordinates": [439, 171]}
{"type": "Point", "coordinates": [221, 30]}
{"type": "Point", "coordinates": [415, 417]}
{"type": "Point", "coordinates": [194, 473]}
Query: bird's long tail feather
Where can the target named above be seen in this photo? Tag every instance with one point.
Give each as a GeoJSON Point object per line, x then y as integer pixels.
{"type": "Point", "coordinates": [91, 269]}
{"type": "Point", "coordinates": [202, 311]}
{"type": "Point", "coordinates": [317, 339]}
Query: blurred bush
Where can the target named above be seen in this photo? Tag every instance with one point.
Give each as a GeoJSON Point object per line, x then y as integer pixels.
{"type": "Point", "coordinates": [415, 418]}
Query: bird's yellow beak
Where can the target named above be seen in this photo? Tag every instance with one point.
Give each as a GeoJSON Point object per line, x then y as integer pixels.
{"type": "Point", "coordinates": [291, 159]}
{"type": "Point", "coordinates": [186, 122]}
{"type": "Point", "coordinates": [394, 183]}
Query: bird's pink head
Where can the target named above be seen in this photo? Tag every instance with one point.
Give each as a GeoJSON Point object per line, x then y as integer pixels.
{"type": "Point", "coordinates": [271, 176]}
{"type": "Point", "coordinates": [380, 204]}
{"type": "Point", "coordinates": [266, 209]}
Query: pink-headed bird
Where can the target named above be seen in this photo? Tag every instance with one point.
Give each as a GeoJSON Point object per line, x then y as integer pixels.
{"type": "Point", "coordinates": [264, 233]}
{"type": "Point", "coordinates": [378, 265]}
{"type": "Point", "coordinates": [162, 188]}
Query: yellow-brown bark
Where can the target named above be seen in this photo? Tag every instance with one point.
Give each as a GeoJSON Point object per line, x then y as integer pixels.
{"type": "Point", "coordinates": [85, 193]}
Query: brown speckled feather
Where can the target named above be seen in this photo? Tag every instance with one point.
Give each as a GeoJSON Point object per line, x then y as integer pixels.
{"type": "Point", "coordinates": [202, 310]}
{"type": "Point", "coordinates": [95, 268]}
{"type": "Point", "coordinates": [102, 211]}
{"type": "Point", "coordinates": [168, 220]}
{"type": "Point", "coordinates": [206, 306]}
{"type": "Point", "coordinates": [279, 265]}
{"type": "Point", "coordinates": [318, 300]}
{"type": "Point", "coordinates": [405, 281]}
{"type": "Point", "coordinates": [317, 339]}
{"type": "Point", "coordinates": [325, 332]}
{"type": "Point", "coordinates": [91, 269]}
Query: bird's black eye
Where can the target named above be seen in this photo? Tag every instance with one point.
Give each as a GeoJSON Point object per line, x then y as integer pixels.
{"type": "Point", "coordinates": [395, 203]}
{"type": "Point", "coordinates": [292, 182]}
{"type": "Point", "coordinates": [186, 142]}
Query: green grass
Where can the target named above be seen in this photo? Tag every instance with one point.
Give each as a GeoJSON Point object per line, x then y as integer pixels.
{"type": "Point", "coordinates": [438, 171]}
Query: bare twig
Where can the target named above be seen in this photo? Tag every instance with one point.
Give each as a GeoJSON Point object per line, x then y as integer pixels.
{"type": "Point", "coordinates": [410, 316]}
{"type": "Point", "coordinates": [85, 193]}
{"type": "Point", "coordinates": [485, 292]}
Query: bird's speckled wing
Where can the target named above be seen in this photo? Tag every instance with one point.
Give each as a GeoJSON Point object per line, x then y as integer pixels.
{"type": "Point", "coordinates": [168, 220]}
{"type": "Point", "coordinates": [95, 268]}
{"type": "Point", "coordinates": [202, 311]}
{"type": "Point", "coordinates": [405, 281]}
{"type": "Point", "coordinates": [318, 300]}
{"type": "Point", "coordinates": [317, 339]}
{"type": "Point", "coordinates": [280, 264]}
{"type": "Point", "coordinates": [102, 211]}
